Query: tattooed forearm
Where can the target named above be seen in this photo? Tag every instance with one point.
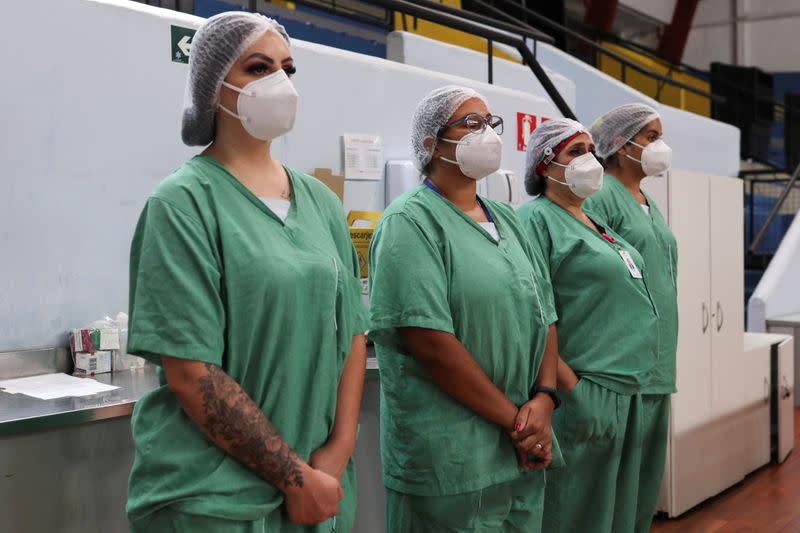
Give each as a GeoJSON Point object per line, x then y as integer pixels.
{"type": "Point", "coordinates": [237, 424]}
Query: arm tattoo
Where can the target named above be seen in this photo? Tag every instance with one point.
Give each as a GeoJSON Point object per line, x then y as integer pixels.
{"type": "Point", "coordinates": [232, 417]}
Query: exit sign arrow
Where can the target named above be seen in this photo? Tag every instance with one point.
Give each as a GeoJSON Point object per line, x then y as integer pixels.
{"type": "Point", "coordinates": [184, 44]}
{"type": "Point", "coordinates": [181, 43]}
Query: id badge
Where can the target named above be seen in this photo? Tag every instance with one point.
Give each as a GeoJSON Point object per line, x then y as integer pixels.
{"type": "Point", "coordinates": [630, 264]}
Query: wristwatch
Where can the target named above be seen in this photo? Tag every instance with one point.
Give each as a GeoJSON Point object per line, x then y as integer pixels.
{"type": "Point", "coordinates": [553, 393]}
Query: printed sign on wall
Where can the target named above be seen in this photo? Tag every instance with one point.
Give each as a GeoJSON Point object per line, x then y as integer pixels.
{"type": "Point", "coordinates": [526, 123]}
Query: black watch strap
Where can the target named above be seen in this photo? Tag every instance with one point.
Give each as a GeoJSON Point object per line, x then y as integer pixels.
{"type": "Point", "coordinates": [553, 393]}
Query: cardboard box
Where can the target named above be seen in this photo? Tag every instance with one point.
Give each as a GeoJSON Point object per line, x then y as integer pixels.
{"type": "Point", "coordinates": [334, 183]}
{"type": "Point", "coordinates": [87, 364]}
{"type": "Point", "coordinates": [362, 226]}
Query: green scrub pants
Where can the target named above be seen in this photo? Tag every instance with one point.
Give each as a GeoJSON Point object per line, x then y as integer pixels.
{"type": "Point", "coordinates": [511, 507]}
{"type": "Point", "coordinates": [170, 520]}
{"type": "Point", "coordinates": [600, 433]}
{"type": "Point", "coordinates": [655, 432]}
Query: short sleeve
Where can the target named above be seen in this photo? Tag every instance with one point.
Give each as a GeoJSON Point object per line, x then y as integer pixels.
{"type": "Point", "coordinates": [544, 286]}
{"type": "Point", "coordinates": [175, 303]}
{"type": "Point", "coordinates": [408, 282]}
{"type": "Point", "coordinates": [540, 249]}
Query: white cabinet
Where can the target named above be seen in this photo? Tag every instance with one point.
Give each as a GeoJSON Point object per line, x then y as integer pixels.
{"type": "Point", "coordinates": [782, 392]}
{"type": "Point", "coordinates": [783, 396]}
{"type": "Point", "coordinates": [706, 452]}
{"type": "Point", "coordinates": [726, 297]}
{"type": "Point", "coordinates": [755, 418]}
{"type": "Point", "coordinates": [768, 418]}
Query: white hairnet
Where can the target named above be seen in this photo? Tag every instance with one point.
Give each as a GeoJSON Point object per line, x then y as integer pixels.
{"type": "Point", "coordinates": [433, 112]}
{"type": "Point", "coordinates": [543, 145]}
{"type": "Point", "coordinates": [215, 48]}
{"type": "Point", "coordinates": [614, 129]}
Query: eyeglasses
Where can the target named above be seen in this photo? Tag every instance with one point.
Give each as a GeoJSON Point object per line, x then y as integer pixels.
{"type": "Point", "coordinates": [476, 123]}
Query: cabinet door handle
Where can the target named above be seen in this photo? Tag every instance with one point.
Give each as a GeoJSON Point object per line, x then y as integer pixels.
{"type": "Point", "coordinates": [766, 390]}
{"type": "Point", "coordinates": [786, 391]}
{"type": "Point", "coordinates": [706, 318]}
{"type": "Point", "coordinates": [720, 317]}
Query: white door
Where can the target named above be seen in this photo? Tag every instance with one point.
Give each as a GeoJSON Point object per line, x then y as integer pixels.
{"type": "Point", "coordinates": [688, 206]}
{"type": "Point", "coordinates": [754, 418]}
{"type": "Point", "coordinates": [726, 216]}
{"type": "Point", "coordinates": [785, 376]}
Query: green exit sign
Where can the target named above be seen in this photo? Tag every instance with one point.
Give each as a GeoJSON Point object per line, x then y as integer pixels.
{"type": "Point", "coordinates": [181, 39]}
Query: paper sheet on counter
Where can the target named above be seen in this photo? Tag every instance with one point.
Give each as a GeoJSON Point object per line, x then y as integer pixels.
{"type": "Point", "coordinates": [52, 386]}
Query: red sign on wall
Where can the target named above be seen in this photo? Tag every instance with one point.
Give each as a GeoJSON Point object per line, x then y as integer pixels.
{"type": "Point", "coordinates": [525, 125]}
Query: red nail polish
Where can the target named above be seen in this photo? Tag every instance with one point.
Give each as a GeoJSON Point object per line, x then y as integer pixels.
{"type": "Point", "coordinates": [517, 427]}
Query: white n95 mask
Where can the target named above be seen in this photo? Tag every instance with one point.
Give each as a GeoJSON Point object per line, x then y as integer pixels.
{"type": "Point", "coordinates": [478, 154]}
{"type": "Point", "coordinates": [656, 157]}
{"type": "Point", "coordinates": [267, 106]}
{"type": "Point", "coordinates": [584, 175]}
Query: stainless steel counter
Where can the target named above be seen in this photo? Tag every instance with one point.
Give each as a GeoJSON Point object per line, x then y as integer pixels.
{"type": "Point", "coordinates": [64, 463]}
{"type": "Point", "coordinates": [23, 414]}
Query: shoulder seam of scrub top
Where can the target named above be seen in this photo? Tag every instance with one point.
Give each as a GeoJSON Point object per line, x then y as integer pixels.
{"type": "Point", "coordinates": [401, 208]}
{"type": "Point", "coordinates": [179, 209]}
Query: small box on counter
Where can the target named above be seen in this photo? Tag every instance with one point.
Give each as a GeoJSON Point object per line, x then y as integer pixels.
{"type": "Point", "coordinates": [89, 340]}
{"type": "Point", "coordinates": [362, 226]}
{"type": "Point", "coordinates": [87, 364]}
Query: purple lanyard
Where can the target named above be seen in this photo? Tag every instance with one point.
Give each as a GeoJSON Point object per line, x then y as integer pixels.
{"type": "Point", "coordinates": [486, 212]}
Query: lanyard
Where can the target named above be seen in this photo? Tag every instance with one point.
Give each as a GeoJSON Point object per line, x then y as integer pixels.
{"type": "Point", "coordinates": [626, 257]}
{"type": "Point", "coordinates": [486, 212]}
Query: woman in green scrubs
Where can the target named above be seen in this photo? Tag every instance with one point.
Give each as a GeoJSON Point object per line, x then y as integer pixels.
{"type": "Point", "coordinates": [607, 335]}
{"type": "Point", "coordinates": [244, 292]}
{"type": "Point", "coordinates": [461, 313]}
{"type": "Point", "coordinates": [629, 139]}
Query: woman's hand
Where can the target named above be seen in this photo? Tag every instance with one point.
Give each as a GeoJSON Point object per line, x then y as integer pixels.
{"type": "Point", "coordinates": [532, 433]}
{"type": "Point", "coordinates": [315, 500]}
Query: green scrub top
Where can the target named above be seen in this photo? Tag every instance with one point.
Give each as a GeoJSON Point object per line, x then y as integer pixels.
{"type": "Point", "coordinates": [607, 323]}
{"type": "Point", "coordinates": [431, 266]}
{"type": "Point", "coordinates": [651, 236]}
{"type": "Point", "coordinates": [216, 277]}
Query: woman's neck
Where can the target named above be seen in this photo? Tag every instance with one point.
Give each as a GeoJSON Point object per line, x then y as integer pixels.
{"type": "Point", "coordinates": [249, 160]}
{"type": "Point", "coordinates": [240, 151]}
{"type": "Point", "coordinates": [460, 190]}
{"type": "Point", "coordinates": [632, 181]}
{"type": "Point", "coordinates": [566, 201]}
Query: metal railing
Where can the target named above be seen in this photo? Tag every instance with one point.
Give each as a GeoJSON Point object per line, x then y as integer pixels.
{"type": "Point", "coordinates": [596, 48]}
{"type": "Point", "coordinates": [759, 237]}
{"type": "Point", "coordinates": [510, 35]}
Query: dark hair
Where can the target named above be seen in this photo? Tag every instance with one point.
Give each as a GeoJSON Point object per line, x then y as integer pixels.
{"type": "Point", "coordinates": [426, 170]}
{"type": "Point", "coordinates": [611, 161]}
{"type": "Point", "coordinates": [534, 183]}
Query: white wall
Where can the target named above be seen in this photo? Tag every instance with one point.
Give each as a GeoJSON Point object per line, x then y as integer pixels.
{"type": "Point", "coordinates": [767, 33]}
{"type": "Point", "coordinates": [699, 143]}
{"type": "Point", "coordinates": [91, 121]}
{"type": "Point", "coordinates": [416, 50]}
{"type": "Point", "coordinates": [778, 292]}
